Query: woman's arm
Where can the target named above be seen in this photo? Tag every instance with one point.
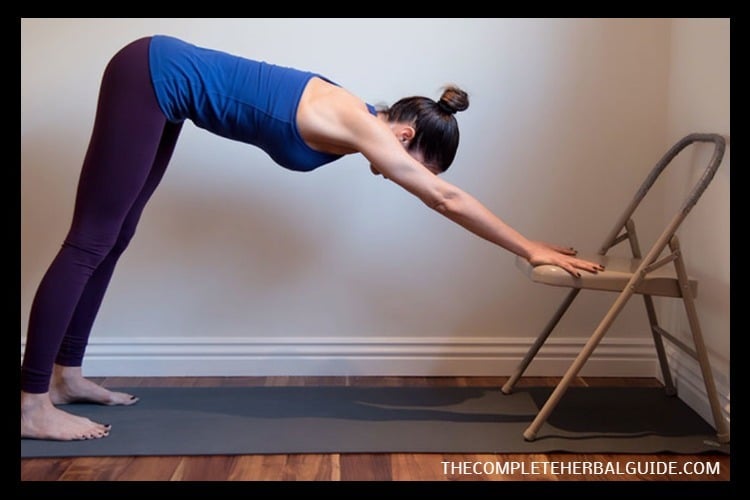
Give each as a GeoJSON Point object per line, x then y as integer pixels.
{"type": "Point", "coordinates": [391, 159]}
{"type": "Point", "coordinates": [464, 209]}
{"type": "Point", "coordinates": [357, 129]}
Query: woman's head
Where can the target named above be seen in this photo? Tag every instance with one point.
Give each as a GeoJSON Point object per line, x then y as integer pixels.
{"type": "Point", "coordinates": [435, 127]}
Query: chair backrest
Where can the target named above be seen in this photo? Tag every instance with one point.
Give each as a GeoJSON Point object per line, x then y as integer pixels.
{"type": "Point", "coordinates": [719, 146]}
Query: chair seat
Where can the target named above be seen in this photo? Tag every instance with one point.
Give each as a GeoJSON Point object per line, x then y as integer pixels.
{"type": "Point", "coordinates": [618, 271]}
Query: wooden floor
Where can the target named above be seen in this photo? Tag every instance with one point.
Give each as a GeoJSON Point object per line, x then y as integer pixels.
{"type": "Point", "coordinates": [364, 467]}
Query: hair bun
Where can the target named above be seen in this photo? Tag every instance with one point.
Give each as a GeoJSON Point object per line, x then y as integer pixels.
{"type": "Point", "coordinates": [453, 100]}
{"type": "Point", "coordinates": [446, 107]}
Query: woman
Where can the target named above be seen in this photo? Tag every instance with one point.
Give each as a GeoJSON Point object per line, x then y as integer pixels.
{"type": "Point", "coordinates": [301, 119]}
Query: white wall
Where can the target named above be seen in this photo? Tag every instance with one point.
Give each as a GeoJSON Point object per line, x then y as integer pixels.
{"type": "Point", "coordinates": [699, 102]}
{"type": "Point", "coordinates": [258, 263]}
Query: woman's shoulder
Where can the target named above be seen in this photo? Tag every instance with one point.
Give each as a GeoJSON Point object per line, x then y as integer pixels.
{"type": "Point", "coordinates": [332, 114]}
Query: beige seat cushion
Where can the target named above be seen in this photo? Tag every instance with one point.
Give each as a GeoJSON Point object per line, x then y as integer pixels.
{"type": "Point", "coordinates": [617, 274]}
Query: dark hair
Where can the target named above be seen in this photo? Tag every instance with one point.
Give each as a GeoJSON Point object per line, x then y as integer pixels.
{"type": "Point", "coordinates": [435, 127]}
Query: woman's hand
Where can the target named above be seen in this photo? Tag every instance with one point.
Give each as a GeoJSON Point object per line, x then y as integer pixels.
{"type": "Point", "coordinates": [563, 257]}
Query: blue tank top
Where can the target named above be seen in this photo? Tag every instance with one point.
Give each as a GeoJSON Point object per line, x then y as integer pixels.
{"type": "Point", "coordinates": [253, 102]}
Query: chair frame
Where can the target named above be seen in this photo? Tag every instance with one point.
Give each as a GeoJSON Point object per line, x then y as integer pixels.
{"type": "Point", "coordinates": [623, 230]}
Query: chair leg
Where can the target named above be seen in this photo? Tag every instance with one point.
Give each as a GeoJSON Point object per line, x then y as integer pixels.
{"type": "Point", "coordinates": [661, 354]}
{"type": "Point", "coordinates": [635, 248]}
{"type": "Point", "coordinates": [722, 429]}
{"type": "Point", "coordinates": [541, 417]}
{"type": "Point", "coordinates": [534, 349]}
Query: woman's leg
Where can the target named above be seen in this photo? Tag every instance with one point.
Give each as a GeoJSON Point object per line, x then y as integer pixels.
{"type": "Point", "coordinates": [68, 384]}
{"type": "Point", "coordinates": [128, 130]}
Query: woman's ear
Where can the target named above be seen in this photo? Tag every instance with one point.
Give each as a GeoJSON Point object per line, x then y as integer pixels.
{"type": "Point", "coordinates": [405, 133]}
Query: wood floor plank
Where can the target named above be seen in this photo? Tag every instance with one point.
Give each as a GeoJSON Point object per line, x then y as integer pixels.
{"type": "Point", "coordinates": [446, 381]}
{"type": "Point", "coordinates": [204, 468]}
{"type": "Point", "coordinates": [242, 381]}
{"type": "Point", "coordinates": [208, 382]}
{"type": "Point", "coordinates": [277, 381]}
{"type": "Point", "coordinates": [95, 468]}
{"type": "Point", "coordinates": [312, 467]}
{"type": "Point", "coordinates": [621, 382]}
{"type": "Point", "coordinates": [295, 467]}
{"type": "Point", "coordinates": [366, 467]}
{"type": "Point", "coordinates": [258, 468]}
{"type": "Point", "coordinates": [149, 469]}
{"type": "Point", "coordinates": [110, 382]}
{"type": "Point", "coordinates": [167, 381]}
{"type": "Point", "coordinates": [417, 467]}
{"type": "Point", "coordinates": [327, 381]}
{"type": "Point", "coordinates": [44, 469]}
{"type": "Point", "coordinates": [485, 381]}
{"type": "Point", "coordinates": [359, 381]}
{"type": "Point", "coordinates": [248, 468]}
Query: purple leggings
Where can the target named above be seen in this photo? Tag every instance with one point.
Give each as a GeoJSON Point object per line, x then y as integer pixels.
{"type": "Point", "coordinates": [129, 150]}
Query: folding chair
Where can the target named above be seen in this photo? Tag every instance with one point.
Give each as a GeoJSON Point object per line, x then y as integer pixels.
{"type": "Point", "coordinates": [647, 276]}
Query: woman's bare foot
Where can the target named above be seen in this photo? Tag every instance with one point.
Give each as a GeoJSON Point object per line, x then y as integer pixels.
{"type": "Point", "coordinates": [41, 420]}
{"type": "Point", "coordinates": [69, 386]}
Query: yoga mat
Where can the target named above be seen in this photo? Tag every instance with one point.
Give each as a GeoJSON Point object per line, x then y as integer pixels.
{"type": "Point", "coordinates": [288, 420]}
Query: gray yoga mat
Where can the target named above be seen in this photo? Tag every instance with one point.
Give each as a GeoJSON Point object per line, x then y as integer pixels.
{"type": "Point", "coordinates": [267, 420]}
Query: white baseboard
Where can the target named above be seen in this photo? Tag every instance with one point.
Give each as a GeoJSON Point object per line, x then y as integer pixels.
{"type": "Point", "coordinates": [371, 356]}
{"type": "Point", "coordinates": [687, 378]}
